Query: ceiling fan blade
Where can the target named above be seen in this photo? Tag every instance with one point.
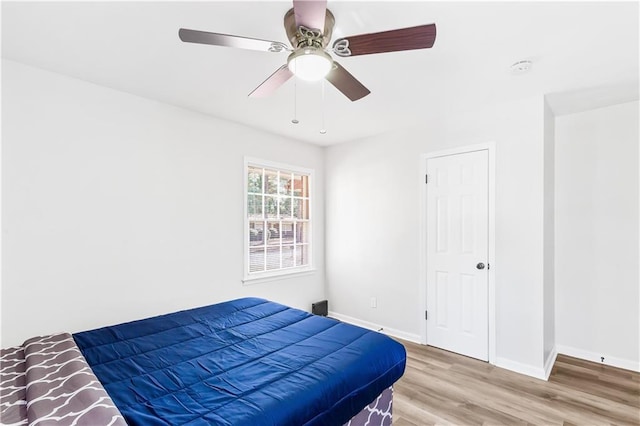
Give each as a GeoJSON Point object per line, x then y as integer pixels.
{"type": "Point", "coordinates": [310, 13]}
{"type": "Point", "coordinates": [420, 37]}
{"type": "Point", "coordinates": [274, 81]}
{"type": "Point", "coordinates": [346, 83]}
{"type": "Point", "coordinates": [203, 37]}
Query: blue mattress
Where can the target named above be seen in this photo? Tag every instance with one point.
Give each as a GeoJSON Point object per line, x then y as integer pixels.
{"type": "Point", "coordinates": [243, 362]}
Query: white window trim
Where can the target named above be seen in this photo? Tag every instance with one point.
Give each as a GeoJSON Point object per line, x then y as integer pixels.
{"type": "Point", "coordinates": [296, 271]}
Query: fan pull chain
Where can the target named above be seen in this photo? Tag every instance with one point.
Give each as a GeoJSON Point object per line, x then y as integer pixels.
{"type": "Point", "coordinates": [323, 130]}
{"type": "Point", "coordinates": [295, 101]}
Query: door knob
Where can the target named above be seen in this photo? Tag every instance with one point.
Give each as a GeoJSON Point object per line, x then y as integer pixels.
{"type": "Point", "coordinates": [480, 265]}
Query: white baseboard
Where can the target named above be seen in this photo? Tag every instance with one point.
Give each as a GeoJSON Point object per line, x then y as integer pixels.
{"type": "Point", "coordinates": [376, 327]}
{"type": "Point", "coordinates": [526, 369]}
{"type": "Point", "coordinates": [595, 357]}
{"type": "Point", "coordinates": [538, 373]}
{"type": "Point", "coordinates": [548, 365]}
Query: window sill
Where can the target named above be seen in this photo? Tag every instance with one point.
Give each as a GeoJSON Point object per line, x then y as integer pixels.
{"type": "Point", "coordinates": [277, 277]}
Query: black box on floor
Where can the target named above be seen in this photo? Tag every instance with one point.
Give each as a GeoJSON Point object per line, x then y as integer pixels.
{"type": "Point", "coordinates": [320, 308]}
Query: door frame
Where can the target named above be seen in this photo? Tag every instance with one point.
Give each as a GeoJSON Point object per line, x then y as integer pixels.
{"type": "Point", "coordinates": [422, 291]}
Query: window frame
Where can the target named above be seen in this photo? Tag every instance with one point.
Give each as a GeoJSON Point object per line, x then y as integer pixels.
{"type": "Point", "coordinates": [271, 275]}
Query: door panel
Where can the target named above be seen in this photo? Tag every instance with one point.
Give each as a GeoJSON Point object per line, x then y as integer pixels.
{"type": "Point", "coordinates": [442, 284]}
{"type": "Point", "coordinates": [457, 240]}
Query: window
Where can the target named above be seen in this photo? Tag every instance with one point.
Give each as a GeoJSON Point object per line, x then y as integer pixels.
{"type": "Point", "coordinates": [278, 219]}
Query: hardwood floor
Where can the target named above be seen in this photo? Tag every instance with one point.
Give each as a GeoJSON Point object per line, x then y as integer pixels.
{"type": "Point", "coordinates": [440, 387]}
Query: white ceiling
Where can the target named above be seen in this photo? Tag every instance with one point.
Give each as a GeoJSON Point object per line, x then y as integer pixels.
{"type": "Point", "coordinates": [585, 55]}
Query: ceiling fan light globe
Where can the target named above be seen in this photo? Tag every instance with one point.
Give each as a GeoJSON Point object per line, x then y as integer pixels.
{"type": "Point", "coordinates": [310, 65]}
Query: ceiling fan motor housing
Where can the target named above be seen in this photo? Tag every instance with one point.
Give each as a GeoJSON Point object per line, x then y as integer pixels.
{"type": "Point", "coordinates": [304, 37]}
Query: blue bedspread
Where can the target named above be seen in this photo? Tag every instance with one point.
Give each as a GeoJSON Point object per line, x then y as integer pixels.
{"type": "Point", "coordinates": [244, 362]}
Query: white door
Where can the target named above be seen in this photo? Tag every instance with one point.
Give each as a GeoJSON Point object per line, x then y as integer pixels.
{"type": "Point", "coordinates": [457, 250]}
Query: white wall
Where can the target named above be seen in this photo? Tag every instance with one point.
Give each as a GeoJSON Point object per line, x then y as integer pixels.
{"type": "Point", "coordinates": [372, 201]}
{"type": "Point", "coordinates": [116, 207]}
{"type": "Point", "coordinates": [106, 196]}
{"type": "Point", "coordinates": [597, 282]}
{"type": "Point", "coordinates": [549, 239]}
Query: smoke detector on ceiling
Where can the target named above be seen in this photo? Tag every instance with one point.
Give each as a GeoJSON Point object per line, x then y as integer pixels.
{"type": "Point", "coordinates": [521, 67]}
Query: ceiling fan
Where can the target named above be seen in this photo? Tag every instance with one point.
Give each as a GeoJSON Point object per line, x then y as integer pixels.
{"type": "Point", "coordinates": [309, 26]}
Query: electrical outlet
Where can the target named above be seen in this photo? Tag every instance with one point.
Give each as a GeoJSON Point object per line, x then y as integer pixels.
{"type": "Point", "coordinates": [374, 302]}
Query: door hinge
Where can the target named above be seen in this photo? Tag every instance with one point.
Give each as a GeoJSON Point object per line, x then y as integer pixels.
{"type": "Point", "coordinates": [426, 178]}
{"type": "Point", "coordinates": [426, 315]}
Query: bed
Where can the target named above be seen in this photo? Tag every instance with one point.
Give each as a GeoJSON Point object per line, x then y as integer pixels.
{"type": "Point", "coordinates": [244, 362]}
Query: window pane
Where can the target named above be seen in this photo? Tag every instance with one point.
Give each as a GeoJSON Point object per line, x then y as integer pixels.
{"type": "Point", "coordinates": [273, 235]}
{"type": "Point", "coordinates": [271, 207]}
{"type": "Point", "coordinates": [287, 257]}
{"type": "Point", "coordinates": [301, 208]}
{"type": "Point", "coordinates": [301, 186]}
{"type": "Point", "coordinates": [287, 232]}
{"type": "Point", "coordinates": [302, 232]}
{"type": "Point", "coordinates": [254, 180]}
{"type": "Point", "coordinates": [285, 207]}
{"type": "Point", "coordinates": [256, 259]}
{"type": "Point", "coordinates": [273, 258]}
{"type": "Point", "coordinates": [256, 233]}
{"type": "Point", "coordinates": [278, 219]}
{"type": "Point", "coordinates": [254, 206]}
{"type": "Point", "coordinates": [302, 255]}
{"type": "Point", "coordinates": [272, 181]}
{"type": "Point", "coordinates": [285, 183]}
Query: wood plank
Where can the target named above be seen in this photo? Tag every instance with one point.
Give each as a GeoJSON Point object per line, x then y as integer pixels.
{"type": "Point", "coordinates": [441, 387]}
